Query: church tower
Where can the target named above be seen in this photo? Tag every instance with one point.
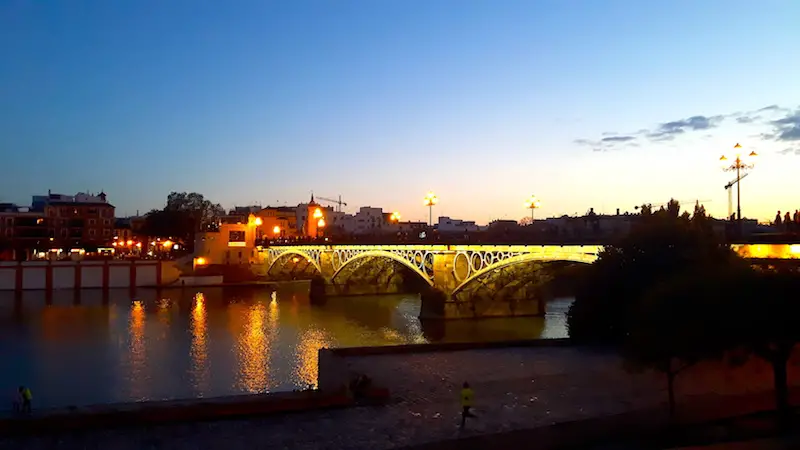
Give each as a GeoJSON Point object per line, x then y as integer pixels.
{"type": "Point", "coordinates": [314, 218]}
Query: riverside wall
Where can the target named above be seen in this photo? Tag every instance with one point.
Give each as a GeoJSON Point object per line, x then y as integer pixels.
{"type": "Point", "coordinates": [53, 275]}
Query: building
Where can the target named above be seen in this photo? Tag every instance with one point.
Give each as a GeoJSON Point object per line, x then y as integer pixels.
{"type": "Point", "coordinates": [128, 228]}
{"type": "Point", "coordinates": [22, 232]}
{"type": "Point", "coordinates": [278, 222]}
{"type": "Point", "coordinates": [448, 225]}
{"type": "Point", "coordinates": [79, 221]}
{"type": "Point", "coordinates": [233, 244]}
{"type": "Point", "coordinates": [239, 214]}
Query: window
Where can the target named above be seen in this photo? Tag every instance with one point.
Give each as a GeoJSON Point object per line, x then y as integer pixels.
{"type": "Point", "coordinates": [106, 222]}
{"type": "Point", "coordinates": [106, 232]}
{"type": "Point", "coordinates": [92, 232]}
{"type": "Point", "coordinates": [92, 222]}
{"type": "Point", "coordinates": [92, 211]}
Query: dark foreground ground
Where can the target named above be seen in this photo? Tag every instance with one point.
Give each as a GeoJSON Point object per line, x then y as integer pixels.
{"type": "Point", "coordinates": [521, 393]}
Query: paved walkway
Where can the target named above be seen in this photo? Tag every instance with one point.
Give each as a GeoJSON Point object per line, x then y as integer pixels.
{"type": "Point", "coordinates": [515, 389]}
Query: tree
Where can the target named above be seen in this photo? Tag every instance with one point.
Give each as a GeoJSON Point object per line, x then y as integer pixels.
{"type": "Point", "coordinates": [678, 323]}
{"type": "Point", "coordinates": [768, 312]}
{"type": "Point", "coordinates": [202, 212]}
{"type": "Point", "coordinates": [663, 244]}
{"type": "Point", "coordinates": [183, 215]}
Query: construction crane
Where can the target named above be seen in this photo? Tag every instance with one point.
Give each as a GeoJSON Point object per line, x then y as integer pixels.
{"type": "Point", "coordinates": [337, 202]}
{"type": "Point", "coordinates": [730, 192]}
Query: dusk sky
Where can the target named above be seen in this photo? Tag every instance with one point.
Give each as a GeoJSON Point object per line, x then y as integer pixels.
{"type": "Point", "coordinates": [604, 104]}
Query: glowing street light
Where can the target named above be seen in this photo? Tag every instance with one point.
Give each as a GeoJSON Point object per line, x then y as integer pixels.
{"type": "Point", "coordinates": [430, 200]}
{"type": "Point", "coordinates": [740, 164]}
{"type": "Point", "coordinates": [532, 203]}
{"type": "Point", "coordinates": [395, 217]}
{"type": "Point", "coordinates": [258, 221]}
{"type": "Point", "coordinates": [317, 213]}
{"type": "Point", "coordinates": [276, 230]}
{"type": "Point", "coordinates": [321, 223]}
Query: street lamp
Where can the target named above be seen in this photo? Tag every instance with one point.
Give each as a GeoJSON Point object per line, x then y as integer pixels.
{"type": "Point", "coordinates": [430, 200]}
{"type": "Point", "coordinates": [320, 225]}
{"type": "Point", "coordinates": [740, 163]}
{"type": "Point", "coordinates": [276, 230]}
{"type": "Point", "coordinates": [532, 203]}
{"type": "Point", "coordinates": [395, 217]}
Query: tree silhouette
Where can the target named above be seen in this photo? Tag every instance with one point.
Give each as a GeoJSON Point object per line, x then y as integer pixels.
{"type": "Point", "coordinates": [768, 313]}
{"type": "Point", "coordinates": [677, 323]}
{"type": "Point", "coordinates": [183, 215]}
{"type": "Point", "coordinates": [662, 245]}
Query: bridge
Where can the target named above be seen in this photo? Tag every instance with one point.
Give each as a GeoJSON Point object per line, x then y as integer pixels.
{"type": "Point", "coordinates": [478, 280]}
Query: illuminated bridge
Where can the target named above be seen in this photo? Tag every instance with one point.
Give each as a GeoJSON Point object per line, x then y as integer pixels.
{"type": "Point", "coordinates": [478, 280]}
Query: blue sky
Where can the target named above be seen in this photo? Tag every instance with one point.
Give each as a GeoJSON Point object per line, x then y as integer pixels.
{"type": "Point", "coordinates": [484, 102]}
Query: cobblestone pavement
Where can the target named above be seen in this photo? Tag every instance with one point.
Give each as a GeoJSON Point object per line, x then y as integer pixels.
{"type": "Point", "coordinates": [515, 388]}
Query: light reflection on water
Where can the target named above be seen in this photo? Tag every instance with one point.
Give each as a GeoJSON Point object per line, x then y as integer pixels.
{"type": "Point", "coordinates": [95, 348]}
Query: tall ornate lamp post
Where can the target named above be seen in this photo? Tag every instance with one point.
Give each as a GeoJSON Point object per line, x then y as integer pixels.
{"type": "Point", "coordinates": [430, 200]}
{"type": "Point", "coordinates": [532, 203]}
{"type": "Point", "coordinates": [740, 164]}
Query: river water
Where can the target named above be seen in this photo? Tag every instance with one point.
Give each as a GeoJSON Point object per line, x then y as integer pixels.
{"type": "Point", "coordinates": [89, 347]}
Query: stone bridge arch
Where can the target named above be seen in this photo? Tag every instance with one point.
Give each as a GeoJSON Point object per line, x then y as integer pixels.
{"type": "Point", "coordinates": [419, 262]}
{"type": "Point", "coordinates": [471, 265]}
{"type": "Point", "coordinates": [312, 254]}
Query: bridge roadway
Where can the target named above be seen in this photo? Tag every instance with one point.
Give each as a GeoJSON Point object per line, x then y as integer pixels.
{"type": "Point", "coordinates": [453, 268]}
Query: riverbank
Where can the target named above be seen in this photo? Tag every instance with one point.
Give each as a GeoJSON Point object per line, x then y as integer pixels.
{"type": "Point", "coordinates": [517, 389]}
{"type": "Point", "coordinates": [60, 420]}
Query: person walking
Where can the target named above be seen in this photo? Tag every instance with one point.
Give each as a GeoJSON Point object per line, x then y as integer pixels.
{"type": "Point", "coordinates": [467, 401]}
{"type": "Point", "coordinates": [26, 395]}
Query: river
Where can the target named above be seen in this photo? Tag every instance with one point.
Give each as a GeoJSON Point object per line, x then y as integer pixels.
{"type": "Point", "coordinates": [87, 347]}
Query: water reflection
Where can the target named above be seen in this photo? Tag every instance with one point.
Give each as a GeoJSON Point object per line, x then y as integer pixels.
{"type": "Point", "coordinates": [137, 351]}
{"type": "Point", "coordinates": [253, 350]}
{"type": "Point", "coordinates": [215, 341]}
{"type": "Point", "coordinates": [199, 350]}
{"type": "Point", "coordinates": [308, 356]}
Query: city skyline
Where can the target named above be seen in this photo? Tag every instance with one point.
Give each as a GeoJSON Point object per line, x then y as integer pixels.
{"type": "Point", "coordinates": [600, 106]}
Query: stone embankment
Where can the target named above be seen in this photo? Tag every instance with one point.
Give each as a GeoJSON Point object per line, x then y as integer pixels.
{"type": "Point", "coordinates": [521, 387]}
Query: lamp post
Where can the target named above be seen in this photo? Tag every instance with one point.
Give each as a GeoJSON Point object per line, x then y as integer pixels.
{"type": "Point", "coordinates": [740, 163]}
{"type": "Point", "coordinates": [257, 223]}
{"type": "Point", "coordinates": [320, 225]}
{"type": "Point", "coordinates": [395, 217]}
{"type": "Point", "coordinates": [430, 200]}
{"type": "Point", "coordinates": [276, 230]}
{"type": "Point", "coordinates": [318, 216]}
{"type": "Point", "coordinates": [532, 203]}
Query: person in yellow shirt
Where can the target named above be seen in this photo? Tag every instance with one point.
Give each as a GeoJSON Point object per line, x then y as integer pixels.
{"type": "Point", "coordinates": [467, 401]}
{"type": "Point", "coordinates": [26, 395]}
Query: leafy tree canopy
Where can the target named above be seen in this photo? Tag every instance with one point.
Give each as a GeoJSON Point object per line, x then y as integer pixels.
{"type": "Point", "coordinates": [663, 244]}
{"type": "Point", "coordinates": [183, 215]}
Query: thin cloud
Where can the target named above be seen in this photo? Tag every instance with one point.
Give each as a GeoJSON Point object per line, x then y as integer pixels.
{"type": "Point", "coordinates": [608, 143]}
{"type": "Point", "coordinates": [618, 139]}
{"type": "Point", "coordinates": [788, 128]}
{"type": "Point", "coordinates": [783, 123]}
